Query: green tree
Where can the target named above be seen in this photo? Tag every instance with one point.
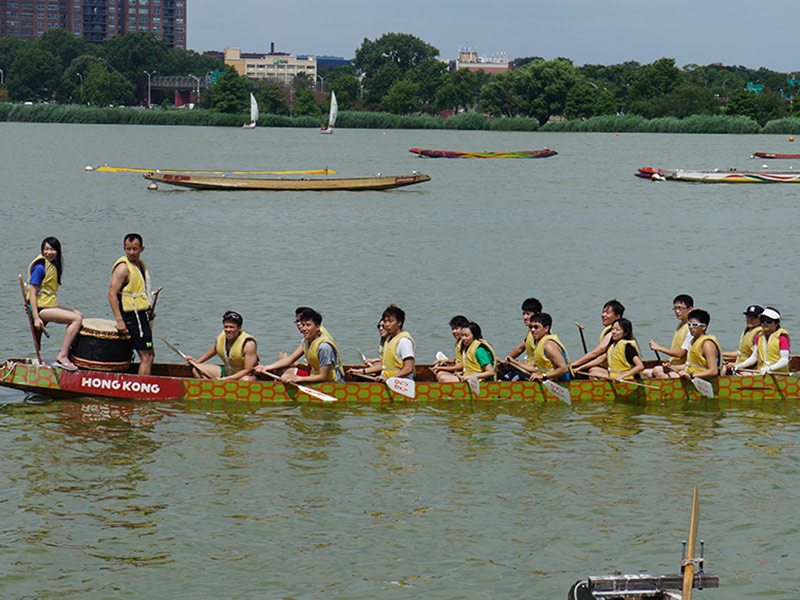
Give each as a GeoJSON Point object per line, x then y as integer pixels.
{"type": "Point", "coordinates": [653, 80]}
{"type": "Point", "coordinates": [230, 93]}
{"type": "Point", "coordinates": [302, 80]}
{"type": "Point", "coordinates": [684, 101]}
{"type": "Point", "coordinates": [63, 45]}
{"type": "Point", "coordinates": [271, 97]}
{"type": "Point", "coordinates": [134, 53]}
{"type": "Point", "coordinates": [103, 86]}
{"type": "Point", "coordinates": [580, 101]}
{"type": "Point", "coordinates": [458, 89]}
{"type": "Point", "coordinates": [402, 98]}
{"type": "Point", "coordinates": [347, 88]}
{"type": "Point", "coordinates": [743, 103]}
{"type": "Point", "coordinates": [497, 96]}
{"type": "Point", "coordinates": [387, 59]}
{"type": "Point", "coordinates": [428, 74]}
{"type": "Point", "coordinates": [542, 87]}
{"type": "Point", "coordinates": [34, 75]}
{"type": "Point", "coordinates": [75, 74]}
{"type": "Point", "coordinates": [605, 103]}
{"type": "Point", "coordinates": [769, 106]}
{"type": "Point", "coordinates": [305, 103]}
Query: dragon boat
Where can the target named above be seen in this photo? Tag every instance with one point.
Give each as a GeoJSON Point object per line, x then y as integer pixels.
{"type": "Point", "coordinates": [277, 184]}
{"type": "Point", "coordinates": [170, 382]}
{"type": "Point", "coordinates": [453, 154]}
{"type": "Point", "coordinates": [719, 176]}
{"type": "Point", "coordinates": [773, 155]}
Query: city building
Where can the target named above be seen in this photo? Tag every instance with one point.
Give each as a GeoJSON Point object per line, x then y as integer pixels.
{"type": "Point", "coordinates": [278, 66]}
{"type": "Point", "coordinates": [469, 59]}
{"type": "Point", "coordinates": [95, 20]}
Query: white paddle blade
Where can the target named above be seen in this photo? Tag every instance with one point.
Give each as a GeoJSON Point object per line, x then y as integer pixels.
{"type": "Point", "coordinates": [441, 356]}
{"type": "Point", "coordinates": [703, 387]}
{"type": "Point", "coordinates": [316, 393]}
{"type": "Point", "coordinates": [362, 355]}
{"type": "Point", "coordinates": [559, 392]}
{"type": "Point", "coordinates": [474, 385]}
{"type": "Point", "coordinates": [403, 386]}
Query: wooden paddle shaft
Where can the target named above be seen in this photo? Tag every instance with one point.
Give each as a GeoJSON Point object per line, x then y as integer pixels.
{"type": "Point", "coordinates": [583, 339]}
{"type": "Point", "coordinates": [688, 573]}
{"type": "Point", "coordinates": [29, 317]}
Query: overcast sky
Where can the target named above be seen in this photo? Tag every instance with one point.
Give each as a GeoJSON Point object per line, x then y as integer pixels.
{"type": "Point", "coordinates": [606, 32]}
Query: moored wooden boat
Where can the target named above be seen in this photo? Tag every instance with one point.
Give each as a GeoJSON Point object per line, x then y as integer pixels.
{"type": "Point", "coordinates": [455, 154]}
{"type": "Point", "coordinates": [719, 176]}
{"type": "Point", "coordinates": [222, 182]}
{"type": "Point", "coordinates": [773, 155]}
{"type": "Point", "coordinates": [175, 382]}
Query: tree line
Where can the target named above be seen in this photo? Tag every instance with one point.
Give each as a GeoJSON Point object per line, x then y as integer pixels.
{"type": "Point", "coordinates": [397, 73]}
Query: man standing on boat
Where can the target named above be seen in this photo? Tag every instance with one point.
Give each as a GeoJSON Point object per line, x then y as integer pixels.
{"type": "Point", "coordinates": [129, 297]}
{"type": "Point", "coordinates": [236, 348]}
{"type": "Point", "coordinates": [682, 305]}
{"type": "Point", "coordinates": [530, 307]}
{"type": "Point", "coordinates": [320, 351]}
{"type": "Point", "coordinates": [611, 313]}
{"type": "Point", "coordinates": [746, 340]}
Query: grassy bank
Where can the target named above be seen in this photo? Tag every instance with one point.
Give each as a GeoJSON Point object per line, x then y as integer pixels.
{"type": "Point", "coordinates": [61, 113]}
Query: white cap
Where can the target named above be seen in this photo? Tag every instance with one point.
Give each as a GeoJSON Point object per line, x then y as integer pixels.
{"type": "Point", "coordinates": [771, 313]}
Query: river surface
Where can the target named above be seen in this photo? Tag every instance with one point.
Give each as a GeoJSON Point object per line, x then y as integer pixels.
{"type": "Point", "coordinates": [116, 500]}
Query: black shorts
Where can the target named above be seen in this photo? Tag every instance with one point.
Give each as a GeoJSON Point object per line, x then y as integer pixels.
{"type": "Point", "coordinates": [143, 341]}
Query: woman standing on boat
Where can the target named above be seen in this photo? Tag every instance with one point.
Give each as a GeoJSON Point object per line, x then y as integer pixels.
{"type": "Point", "coordinates": [44, 277]}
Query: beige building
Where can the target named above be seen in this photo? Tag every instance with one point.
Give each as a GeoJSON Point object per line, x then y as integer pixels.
{"type": "Point", "coordinates": [278, 66]}
{"type": "Point", "coordinates": [469, 59]}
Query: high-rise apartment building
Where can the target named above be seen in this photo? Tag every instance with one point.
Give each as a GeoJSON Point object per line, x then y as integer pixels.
{"type": "Point", "coordinates": [95, 20]}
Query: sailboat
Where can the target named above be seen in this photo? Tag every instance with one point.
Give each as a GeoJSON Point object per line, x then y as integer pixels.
{"type": "Point", "coordinates": [253, 113]}
{"type": "Point", "coordinates": [332, 116]}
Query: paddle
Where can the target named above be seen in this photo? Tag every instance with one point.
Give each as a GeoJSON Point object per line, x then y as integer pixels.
{"type": "Point", "coordinates": [404, 387]}
{"type": "Point", "coordinates": [363, 356]}
{"type": "Point", "coordinates": [627, 381]}
{"type": "Point", "coordinates": [559, 392]}
{"type": "Point", "coordinates": [583, 339]}
{"type": "Point", "coordinates": [703, 387]}
{"type": "Point", "coordinates": [195, 364]}
{"type": "Point", "coordinates": [441, 356]}
{"type": "Point", "coordinates": [474, 384]}
{"type": "Point", "coordinates": [152, 311]}
{"type": "Point", "coordinates": [688, 571]}
{"type": "Point", "coordinates": [777, 373]}
{"type": "Point", "coordinates": [37, 338]}
{"type": "Point", "coordinates": [303, 388]}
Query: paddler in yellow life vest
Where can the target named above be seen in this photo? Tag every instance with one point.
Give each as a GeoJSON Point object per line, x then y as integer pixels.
{"type": "Point", "coordinates": [550, 358]}
{"type": "Point", "coordinates": [397, 353]}
{"type": "Point", "coordinates": [622, 357]}
{"type": "Point", "coordinates": [612, 310]}
{"type": "Point", "coordinates": [477, 357]}
{"type": "Point", "coordinates": [682, 305]}
{"type": "Point", "coordinates": [320, 352]}
{"type": "Point", "coordinates": [129, 297]}
{"type": "Point", "coordinates": [452, 365]}
{"type": "Point", "coordinates": [44, 277]}
{"type": "Point", "coordinates": [236, 349]}
{"type": "Point", "coordinates": [772, 345]}
{"type": "Point", "coordinates": [746, 339]}
{"type": "Point", "coordinates": [705, 355]}
{"type": "Point", "coordinates": [530, 307]}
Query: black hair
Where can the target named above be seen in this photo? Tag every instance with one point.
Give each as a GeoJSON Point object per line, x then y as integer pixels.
{"type": "Point", "coordinates": [232, 316]}
{"type": "Point", "coordinates": [543, 319]}
{"type": "Point", "coordinates": [310, 314]}
{"type": "Point", "coordinates": [701, 315]}
{"type": "Point", "coordinates": [459, 321]}
{"type": "Point", "coordinates": [684, 299]}
{"type": "Point", "coordinates": [627, 328]}
{"type": "Point", "coordinates": [616, 306]}
{"type": "Point", "coordinates": [474, 328]}
{"type": "Point", "coordinates": [532, 305]}
{"type": "Point", "coordinates": [132, 237]}
{"type": "Point", "coordinates": [396, 312]}
{"type": "Point", "coordinates": [58, 263]}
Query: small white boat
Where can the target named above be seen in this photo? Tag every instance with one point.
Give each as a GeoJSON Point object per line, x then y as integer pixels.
{"type": "Point", "coordinates": [332, 116]}
{"type": "Point", "coordinates": [253, 113]}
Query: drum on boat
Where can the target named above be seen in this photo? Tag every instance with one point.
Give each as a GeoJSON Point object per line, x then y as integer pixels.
{"type": "Point", "coordinates": [100, 347]}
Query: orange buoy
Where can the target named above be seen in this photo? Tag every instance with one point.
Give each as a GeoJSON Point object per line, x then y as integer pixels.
{"type": "Point", "coordinates": [791, 139]}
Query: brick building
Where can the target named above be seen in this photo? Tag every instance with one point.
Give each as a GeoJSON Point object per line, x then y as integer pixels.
{"type": "Point", "coordinates": [95, 20]}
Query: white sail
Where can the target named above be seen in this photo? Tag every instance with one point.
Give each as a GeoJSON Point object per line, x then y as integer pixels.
{"type": "Point", "coordinates": [334, 111]}
{"type": "Point", "coordinates": [253, 109]}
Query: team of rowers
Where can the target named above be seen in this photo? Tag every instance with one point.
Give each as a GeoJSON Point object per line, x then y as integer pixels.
{"type": "Point", "coordinates": [764, 346]}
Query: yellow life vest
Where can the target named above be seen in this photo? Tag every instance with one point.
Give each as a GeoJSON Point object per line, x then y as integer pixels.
{"type": "Point", "coordinates": [135, 295]}
{"type": "Point", "coordinates": [603, 333]}
{"type": "Point", "coordinates": [540, 360]}
{"type": "Point", "coordinates": [696, 360]}
{"type": "Point", "coordinates": [46, 297]}
{"type": "Point", "coordinates": [233, 359]}
{"type": "Point", "coordinates": [457, 349]}
{"type": "Point", "coordinates": [530, 347]}
{"type": "Point", "coordinates": [390, 362]}
{"type": "Point", "coordinates": [746, 343]}
{"type": "Point", "coordinates": [769, 351]}
{"type": "Point", "coordinates": [470, 359]}
{"type": "Point", "coordinates": [310, 351]}
{"type": "Point", "coordinates": [616, 359]}
{"type": "Point", "coordinates": [677, 342]}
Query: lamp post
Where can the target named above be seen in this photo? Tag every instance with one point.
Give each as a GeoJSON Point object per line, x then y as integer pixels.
{"type": "Point", "coordinates": [322, 81]}
{"type": "Point", "coordinates": [148, 73]}
{"type": "Point", "coordinates": [80, 76]}
{"type": "Point", "coordinates": [197, 96]}
{"type": "Point", "coordinates": [2, 76]}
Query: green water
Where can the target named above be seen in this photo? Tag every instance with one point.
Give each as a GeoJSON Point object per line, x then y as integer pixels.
{"type": "Point", "coordinates": [503, 501]}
